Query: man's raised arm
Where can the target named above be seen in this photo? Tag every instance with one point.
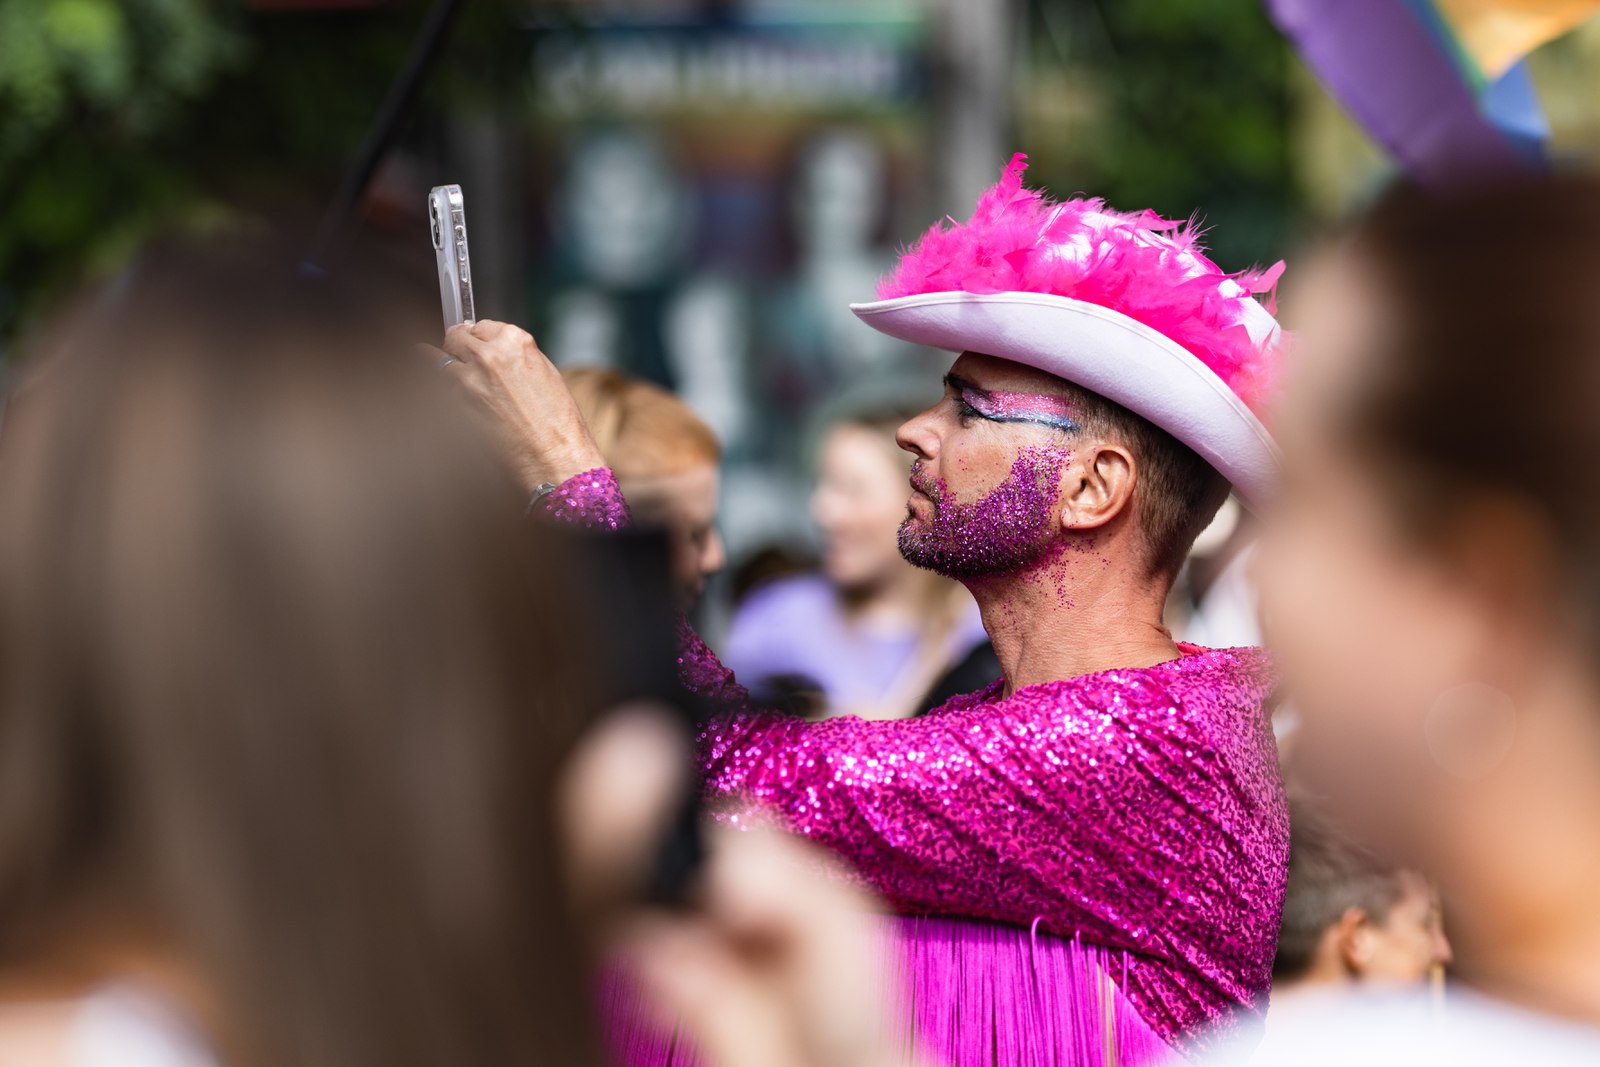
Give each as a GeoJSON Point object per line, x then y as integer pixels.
{"type": "Point", "coordinates": [553, 453]}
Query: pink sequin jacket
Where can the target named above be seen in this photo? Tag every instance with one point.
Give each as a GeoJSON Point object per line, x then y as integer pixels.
{"type": "Point", "coordinates": [1139, 810]}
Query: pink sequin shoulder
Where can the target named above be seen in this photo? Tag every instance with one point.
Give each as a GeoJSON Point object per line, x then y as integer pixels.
{"type": "Point", "coordinates": [1138, 810]}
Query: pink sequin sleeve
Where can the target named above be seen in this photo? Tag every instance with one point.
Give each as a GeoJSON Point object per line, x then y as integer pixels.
{"type": "Point", "coordinates": [1139, 810]}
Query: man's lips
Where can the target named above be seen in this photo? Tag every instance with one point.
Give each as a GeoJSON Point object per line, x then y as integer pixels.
{"type": "Point", "coordinates": [919, 501]}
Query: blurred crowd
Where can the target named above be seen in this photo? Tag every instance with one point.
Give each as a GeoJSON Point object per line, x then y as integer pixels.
{"type": "Point", "coordinates": [321, 745]}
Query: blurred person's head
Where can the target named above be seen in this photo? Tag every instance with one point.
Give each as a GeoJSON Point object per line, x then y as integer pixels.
{"type": "Point", "coordinates": [665, 458]}
{"type": "Point", "coordinates": [859, 499]}
{"type": "Point", "coordinates": [1350, 917]}
{"type": "Point", "coordinates": [1431, 576]}
{"type": "Point", "coordinates": [286, 677]}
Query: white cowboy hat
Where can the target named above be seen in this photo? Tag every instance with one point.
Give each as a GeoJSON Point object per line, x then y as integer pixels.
{"type": "Point", "coordinates": [1105, 352]}
{"type": "Point", "coordinates": [1126, 306]}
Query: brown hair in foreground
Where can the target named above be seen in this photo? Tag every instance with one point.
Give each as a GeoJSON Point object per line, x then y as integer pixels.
{"type": "Point", "coordinates": [285, 677]}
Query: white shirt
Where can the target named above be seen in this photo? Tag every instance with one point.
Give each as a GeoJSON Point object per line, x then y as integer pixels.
{"type": "Point", "coordinates": [124, 1026]}
{"type": "Point", "coordinates": [1313, 1030]}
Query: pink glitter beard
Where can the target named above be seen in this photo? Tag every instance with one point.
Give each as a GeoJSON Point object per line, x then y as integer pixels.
{"type": "Point", "coordinates": [1006, 531]}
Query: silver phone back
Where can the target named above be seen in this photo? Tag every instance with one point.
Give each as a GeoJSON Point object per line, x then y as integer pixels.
{"type": "Point", "coordinates": [448, 219]}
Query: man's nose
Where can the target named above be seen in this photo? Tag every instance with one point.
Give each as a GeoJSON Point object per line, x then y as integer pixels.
{"type": "Point", "coordinates": [715, 556]}
{"type": "Point", "coordinates": [918, 436]}
{"type": "Point", "coordinates": [1441, 948]}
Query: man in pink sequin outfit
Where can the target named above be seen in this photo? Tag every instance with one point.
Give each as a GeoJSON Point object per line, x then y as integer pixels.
{"type": "Point", "coordinates": [1087, 858]}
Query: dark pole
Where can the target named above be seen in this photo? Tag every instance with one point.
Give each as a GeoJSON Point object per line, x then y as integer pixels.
{"type": "Point", "coordinates": [402, 92]}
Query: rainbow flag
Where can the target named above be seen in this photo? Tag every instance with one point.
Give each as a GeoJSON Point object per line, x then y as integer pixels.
{"type": "Point", "coordinates": [1439, 83]}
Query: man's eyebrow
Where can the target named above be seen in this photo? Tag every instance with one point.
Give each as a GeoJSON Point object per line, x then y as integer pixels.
{"type": "Point", "coordinates": [958, 383]}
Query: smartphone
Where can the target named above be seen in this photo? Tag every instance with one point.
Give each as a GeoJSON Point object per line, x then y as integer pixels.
{"type": "Point", "coordinates": [447, 215]}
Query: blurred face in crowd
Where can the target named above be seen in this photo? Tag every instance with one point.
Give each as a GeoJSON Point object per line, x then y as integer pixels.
{"type": "Point", "coordinates": [991, 459]}
{"type": "Point", "coordinates": [858, 504]}
{"type": "Point", "coordinates": [1392, 644]}
{"type": "Point", "coordinates": [1409, 942]}
{"type": "Point", "coordinates": [1429, 574]}
{"type": "Point", "coordinates": [684, 505]}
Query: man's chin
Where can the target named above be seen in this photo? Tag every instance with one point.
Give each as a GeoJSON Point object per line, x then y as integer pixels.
{"type": "Point", "coordinates": [912, 551]}
{"type": "Point", "coordinates": [906, 538]}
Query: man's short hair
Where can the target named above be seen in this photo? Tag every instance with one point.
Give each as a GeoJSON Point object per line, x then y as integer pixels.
{"type": "Point", "coordinates": [1328, 875]}
{"type": "Point", "coordinates": [1177, 492]}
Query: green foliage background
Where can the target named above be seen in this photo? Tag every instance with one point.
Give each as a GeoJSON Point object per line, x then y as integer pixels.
{"type": "Point", "coordinates": [122, 117]}
{"type": "Point", "coordinates": [1176, 105]}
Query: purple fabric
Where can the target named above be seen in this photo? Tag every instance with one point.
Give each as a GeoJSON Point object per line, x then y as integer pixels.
{"type": "Point", "coordinates": [983, 993]}
{"type": "Point", "coordinates": [973, 994]}
{"type": "Point", "coordinates": [796, 627]}
{"type": "Point", "coordinates": [1381, 61]}
{"type": "Point", "coordinates": [1136, 813]}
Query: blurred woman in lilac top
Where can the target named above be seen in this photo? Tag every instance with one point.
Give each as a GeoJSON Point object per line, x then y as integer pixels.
{"type": "Point", "coordinates": [866, 633]}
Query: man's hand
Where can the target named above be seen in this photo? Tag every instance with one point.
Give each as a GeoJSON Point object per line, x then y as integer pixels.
{"type": "Point", "coordinates": [524, 394]}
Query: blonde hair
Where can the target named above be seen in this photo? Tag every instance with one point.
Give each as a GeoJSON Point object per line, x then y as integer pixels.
{"type": "Point", "coordinates": [642, 430]}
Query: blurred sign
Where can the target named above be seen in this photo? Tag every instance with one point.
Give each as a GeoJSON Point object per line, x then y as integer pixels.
{"type": "Point", "coordinates": [312, 5]}
{"type": "Point", "coordinates": [650, 70]}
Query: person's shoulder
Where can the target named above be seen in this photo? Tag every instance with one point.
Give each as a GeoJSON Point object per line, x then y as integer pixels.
{"type": "Point", "coordinates": [962, 702]}
{"type": "Point", "coordinates": [1219, 697]}
{"type": "Point", "coordinates": [1194, 694]}
{"type": "Point", "coordinates": [1245, 667]}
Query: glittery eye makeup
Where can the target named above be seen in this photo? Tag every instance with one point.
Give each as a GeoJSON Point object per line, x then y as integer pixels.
{"type": "Point", "coordinates": [1041, 409]}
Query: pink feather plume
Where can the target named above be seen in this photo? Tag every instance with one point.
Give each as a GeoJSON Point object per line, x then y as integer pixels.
{"type": "Point", "coordinates": [1149, 268]}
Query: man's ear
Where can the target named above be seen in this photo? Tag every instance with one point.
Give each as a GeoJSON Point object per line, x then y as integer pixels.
{"type": "Point", "coordinates": [1099, 489]}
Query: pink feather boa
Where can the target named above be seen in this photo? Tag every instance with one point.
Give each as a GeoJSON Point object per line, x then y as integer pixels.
{"type": "Point", "coordinates": [1151, 269]}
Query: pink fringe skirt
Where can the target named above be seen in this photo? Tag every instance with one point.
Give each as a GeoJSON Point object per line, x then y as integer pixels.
{"type": "Point", "coordinates": [974, 995]}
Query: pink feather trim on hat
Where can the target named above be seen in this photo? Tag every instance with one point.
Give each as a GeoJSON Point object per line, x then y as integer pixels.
{"type": "Point", "coordinates": [1151, 269]}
